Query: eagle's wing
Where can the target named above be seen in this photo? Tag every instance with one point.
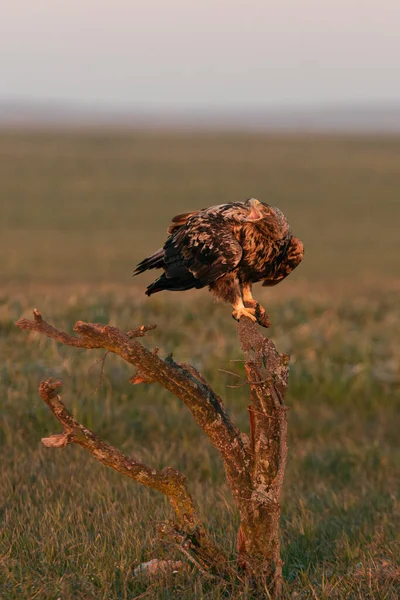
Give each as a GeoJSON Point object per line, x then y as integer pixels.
{"type": "Point", "coordinates": [200, 252]}
{"type": "Point", "coordinates": [233, 207]}
{"type": "Point", "coordinates": [180, 220]}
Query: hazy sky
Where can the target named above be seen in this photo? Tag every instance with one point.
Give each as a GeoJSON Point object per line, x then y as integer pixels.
{"type": "Point", "coordinates": [198, 53]}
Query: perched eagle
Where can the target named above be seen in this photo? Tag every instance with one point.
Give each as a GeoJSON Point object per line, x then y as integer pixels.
{"type": "Point", "coordinates": [227, 248]}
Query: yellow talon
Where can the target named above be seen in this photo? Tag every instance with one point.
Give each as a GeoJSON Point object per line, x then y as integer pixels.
{"type": "Point", "coordinates": [244, 312]}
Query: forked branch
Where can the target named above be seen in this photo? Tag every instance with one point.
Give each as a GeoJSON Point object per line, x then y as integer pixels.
{"type": "Point", "coordinates": [168, 481]}
{"type": "Point", "coordinates": [188, 528]}
{"type": "Point", "coordinates": [254, 471]}
{"type": "Point", "coordinates": [184, 382]}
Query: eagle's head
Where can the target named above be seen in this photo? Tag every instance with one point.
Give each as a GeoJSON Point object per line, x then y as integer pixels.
{"type": "Point", "coordinates": [257, 210]}
{"type": "Point", "coordinates": [267, 217]}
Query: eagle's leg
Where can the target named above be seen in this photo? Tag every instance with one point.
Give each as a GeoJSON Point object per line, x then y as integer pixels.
{"type": "Point", "coordinates": [228, 288]}
{"type": "Point", "coordinates": [250, 303]}
{"type": "Point", "coordinates": [239, 310]}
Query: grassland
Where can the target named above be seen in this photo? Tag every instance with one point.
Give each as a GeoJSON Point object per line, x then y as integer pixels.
{"type": "Point", "coordinates": [84, 208]}
{"type": "Point", "coordinates": [77, 211]}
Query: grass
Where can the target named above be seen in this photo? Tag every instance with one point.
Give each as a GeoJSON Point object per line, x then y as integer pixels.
{"type": "Point", "coordinates": [79, 211]}
{"type": "Point", "coordinates": [85, 208]}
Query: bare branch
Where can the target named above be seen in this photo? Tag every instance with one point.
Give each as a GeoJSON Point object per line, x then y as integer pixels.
{"type": "Point", "coordinates": [39, 325]}
{"type": "Point", "coordinates": [58, 440]}
{"type": "Point", "coordinates": [168, 481]}
{"type": "Point", "coordinates": [140, 331]}
{"type": "Point", "coordinates": [182, 380]}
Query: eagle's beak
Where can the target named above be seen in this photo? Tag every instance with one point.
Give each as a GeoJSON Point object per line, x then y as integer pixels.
{"type": "Point", "coordinates": [255, 213]}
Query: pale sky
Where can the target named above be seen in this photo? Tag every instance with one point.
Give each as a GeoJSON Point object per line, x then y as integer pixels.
{"type": "Point", "coordinates": [200, 53]}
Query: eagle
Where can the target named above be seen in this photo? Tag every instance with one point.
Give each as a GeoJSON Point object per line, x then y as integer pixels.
{"type": "Point", "coordinates": [227, 247]}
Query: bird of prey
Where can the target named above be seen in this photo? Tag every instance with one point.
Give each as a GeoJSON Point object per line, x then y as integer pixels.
{"type": "Point", "coordinates": [227, 248]}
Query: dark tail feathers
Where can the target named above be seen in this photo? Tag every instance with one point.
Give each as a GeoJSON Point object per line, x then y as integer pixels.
{"type": "Point", "coordinates": [172, 285]}
{"type": "Point", "coordinates": [155, 261]}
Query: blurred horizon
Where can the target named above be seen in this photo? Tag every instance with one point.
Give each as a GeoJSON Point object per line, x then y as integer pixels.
{"type": "Point", "coordinates": [367, 117]}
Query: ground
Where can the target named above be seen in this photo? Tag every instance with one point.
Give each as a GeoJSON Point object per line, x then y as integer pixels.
{"type": "Point", "coordinates": [78, 211]}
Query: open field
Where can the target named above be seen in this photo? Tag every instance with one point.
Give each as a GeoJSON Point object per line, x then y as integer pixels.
{"type": "Point", "coordinates": [77, 212]}
{"type": "Point", "coordinates": [85, 208]}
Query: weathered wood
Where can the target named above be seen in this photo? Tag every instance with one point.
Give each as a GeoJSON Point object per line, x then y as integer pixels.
{"type": "Point", "coordinates": [168, 481]}
{"type": "Point", "coordinates": [254, 468]}
{"type": "Point", "coordinates": [206, 407]}
{"type": "Point", "coordinates": [267, 373]}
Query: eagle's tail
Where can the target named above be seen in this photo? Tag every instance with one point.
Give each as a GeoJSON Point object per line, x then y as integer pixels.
{"type": "Point", "coordinates": [155, 261]}
{"type": "Point", "coordinates": [171, 284]}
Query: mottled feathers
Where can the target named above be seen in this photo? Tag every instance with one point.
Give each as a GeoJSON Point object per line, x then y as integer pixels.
{"type": "Point", "coordinates": [227, 247]}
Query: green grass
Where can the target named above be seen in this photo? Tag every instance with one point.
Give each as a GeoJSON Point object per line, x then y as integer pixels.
{"type": "Point", "coordinates": [78, 211]}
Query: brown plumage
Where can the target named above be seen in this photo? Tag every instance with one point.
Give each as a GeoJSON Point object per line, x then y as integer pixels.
{"type": "Point", "coordinates": [227, 248]}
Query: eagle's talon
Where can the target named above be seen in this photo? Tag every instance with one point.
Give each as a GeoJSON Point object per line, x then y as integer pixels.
{"type": "Point", "coordinates": [263, 320]}
{"type": "Point", "coordinates": [259, 311]}
{"type": "Point", "coordinates": [254, 305]}
{"type": "Point", "coordinates": [250, 313]}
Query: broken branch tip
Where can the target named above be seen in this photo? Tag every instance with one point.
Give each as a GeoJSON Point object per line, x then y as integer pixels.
{"type": "Point", "coordinates": [37, 315]}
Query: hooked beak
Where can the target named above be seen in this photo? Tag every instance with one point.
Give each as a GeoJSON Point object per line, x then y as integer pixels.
{"type": "Point", "coordinates": [255, 213]}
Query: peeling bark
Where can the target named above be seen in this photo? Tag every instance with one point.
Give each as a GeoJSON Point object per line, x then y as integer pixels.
{"type": "Point", "coordinates": [254, 471]}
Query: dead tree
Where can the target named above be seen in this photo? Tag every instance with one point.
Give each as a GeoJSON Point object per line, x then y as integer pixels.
{"type": "Point", "coordinates": [254, 466]}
